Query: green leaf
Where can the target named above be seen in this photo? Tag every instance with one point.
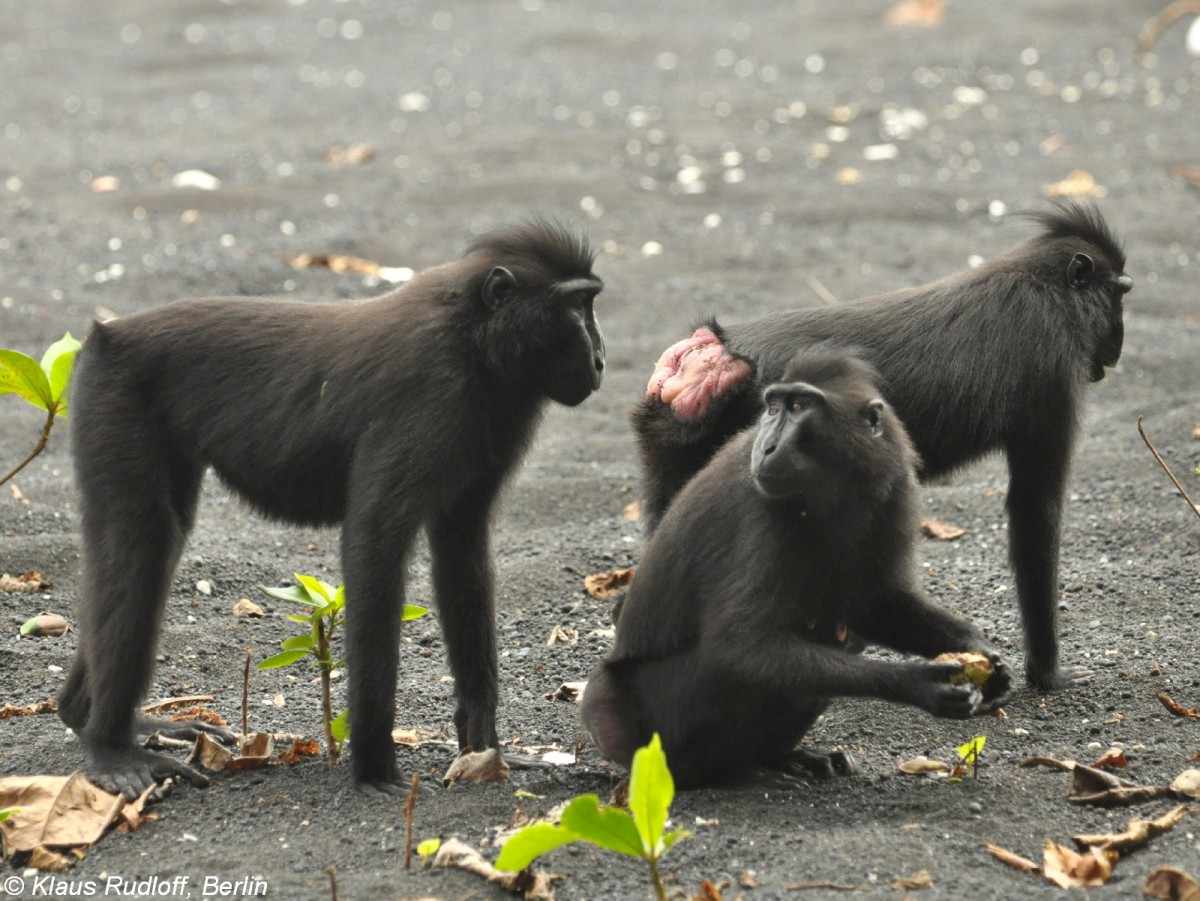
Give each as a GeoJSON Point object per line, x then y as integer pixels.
{"type": "Point", "coordinates": [293, 594]}
{"type": "Point", "coordinates": [29, 627]}
{"type": "Point", "coordinates": [339, 597]}
{"type": "Point", "coordinates": [428, 848]}
{"type": "Point", "coordinates": [673, 836]}
{"type": "Point", "coordinates": [651, 790]}
{"type": "Point", "coordinates": [972, 749]}
{"type": "Point", "coordinates": [57, 362]}
{"type": "Point", "coordinates": [412, 611]}
{"type": "Point", "coordinates": [531, 843]}
{"type": "Point", "coordinates": [299, 618]}
{"type": "Point", "coordinates": [340, 727]}
{"type": "Point", "coordinates": [608, 827]}
{"type": "Point", "coordinates": [298, 643]}
{"type": "Point", "coordinates": [316, 588]}
{"type": "Point", "coordinates": [21, 375]}
{"type": "Point", "coordinates": [8, 812]}
{"type": "Point", "coordinates": [287, 658]}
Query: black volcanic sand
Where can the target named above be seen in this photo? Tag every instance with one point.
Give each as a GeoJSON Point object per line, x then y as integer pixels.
{"type": "Point", "coordinates": [718, 153]}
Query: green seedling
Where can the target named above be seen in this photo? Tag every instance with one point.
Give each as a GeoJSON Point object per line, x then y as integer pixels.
{"type": "Point", "coordinates": [42, 384]}
{"type": "Point", "coordinates": [969, 753]}
{"type": "Point", "coordinates": [326, 612]}
{"type": "Point", "coordinates": [8, 812]}
{"type": "Point", "coordinates": [427, 849]}
{"type": "Point", "coordinates": [636, 833]}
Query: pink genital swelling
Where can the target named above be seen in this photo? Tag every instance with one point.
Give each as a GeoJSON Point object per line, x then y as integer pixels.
{"type": "Point", "coordinates": [692, 372]}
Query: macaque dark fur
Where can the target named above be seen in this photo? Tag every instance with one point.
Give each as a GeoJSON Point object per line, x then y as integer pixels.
{"type": "Point", "coordinates": [796, 536]}
{"type": "Point", "coordinates": [991, 359]}
{"type": "Point", "coordinates": [403, 412]}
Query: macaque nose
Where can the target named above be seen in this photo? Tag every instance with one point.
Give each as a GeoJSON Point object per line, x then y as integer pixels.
{"type": "Point", "coordinates": [1125, 283]}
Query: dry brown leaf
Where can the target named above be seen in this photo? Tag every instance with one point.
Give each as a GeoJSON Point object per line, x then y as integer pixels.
{"type": "Point", "coordinates": [633, 512]}
{"type": "Point", "coordinates": [839, 886]}
{"type": "Point", "coordinates": [603, 586]}
{"type": "Point", "coordinates": [414, 738]}
{"type": "Point", "coordinates": [918, 880]}
{"type": "Point", "coordinates": [55, 811]}
{"type": "Point", "coordinates": [477, 767]}
{"type": "Point", "coordinates": [10, 710]}
{"type": "Point", "coordinates": [175, 703]}
{"type": "Point", "coordinates": [572, 692]}
{"type": "Point", "coordinates": [298, 749]}
{"type": "Point", "coordinates": [563, 635]}
{"type": "Point", "coordinates": [210, 753]}
{"type": "Point", "coordinates": [921, 765]}
{"type": "Point", "coordinates": [1171, 884]}
{"type": "Point", "coordinates": [940, 530]}
{"type": "Point", "coordinates": [30, 581]}
{"type": "Point", "coordinates": [349, 156]}
{"type": "Point", "coordinates": [920, 13]}
{"type": "Point", "coordinates": [1016, 861]}
{"type": "Point", "coordinates": [1190, 174]}
{"type": "Point", "coordinates": [49, 861]}
{"type": "Point", "coordinates": [1078, 184]}
{"type": "Point", "coordinates": [203, 714]}
{"type": "Point", "coordinates": [708, 892]}
{"type": "Point", "coordinates": [336, 262]}
{"type": "Point", "coordinates": [534, 886]}
{"type": "Point", "coordinates": [1092, 786]}
{"type": "Point", "coordinates": [1067, 869]}
{"type": "Point", "coordinates": [1051, 762]}
{"type": "Point", "coordinates": [1177, 709]}
{"type": "Point", "coordinates": [1187, 784]}
{"type": "Point", "coordinates": [1137, 832]}
{"type": "Point", "coordinates": [1113, 759]}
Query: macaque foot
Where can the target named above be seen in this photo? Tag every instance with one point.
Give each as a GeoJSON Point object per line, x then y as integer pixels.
{"type": "Point", "coordinates": [184, 730]}
{"type": "Point", "coordinates": [1046, 680]}
{"type": "Point", "coordinates": [129, 771]}
{"type": "Point", "coordinates": [694, 371]}
{"type": "Point", "coordinates": [825, 765]}
{"type": "Point", "coordinates": [381, 788]}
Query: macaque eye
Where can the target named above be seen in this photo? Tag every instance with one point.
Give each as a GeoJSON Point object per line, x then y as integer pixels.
{"type": "Point", "coordinates": [772, 409]}
{"type": "Point", "coordinates": [796, 406]}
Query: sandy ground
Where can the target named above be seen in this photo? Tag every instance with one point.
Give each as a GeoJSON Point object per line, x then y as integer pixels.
{"type": "Point", "coordinates": [718, 153]}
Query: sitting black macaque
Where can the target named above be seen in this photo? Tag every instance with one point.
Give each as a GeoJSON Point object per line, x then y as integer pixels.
{"type": "Point", "coordinates": [796, 536]}
{"type": "Point", "coordinates": [991, 359]}
{"type": "Point", "coordinates": [403, 412]}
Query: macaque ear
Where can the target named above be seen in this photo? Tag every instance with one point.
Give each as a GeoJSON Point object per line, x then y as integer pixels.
{"type": "Point", "coordinates": [873, 414]}
{"type": "Point", "coordinates": [498, 287]}
{"type": "Point", "coordinates": [1079, 270]}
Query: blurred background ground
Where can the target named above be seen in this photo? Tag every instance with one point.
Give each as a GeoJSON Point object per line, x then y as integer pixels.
{"type": "Point", "coordinates": [727, 158]}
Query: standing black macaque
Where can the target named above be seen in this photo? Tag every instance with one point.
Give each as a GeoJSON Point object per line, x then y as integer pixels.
{"type": "Point", "coordinates": [994, 358]}
{"type": "Point", "coordinates": [732, 638]}
{"type": "Point", "coordinates": [406, 411]}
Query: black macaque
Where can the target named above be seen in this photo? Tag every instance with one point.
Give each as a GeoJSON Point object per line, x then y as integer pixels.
{"type": "Point", "coordinates": [403, 412]}
{"type": "Point", "coordinates": [994, 358]}
{"type": "Point", "coordinates": [796, 537]}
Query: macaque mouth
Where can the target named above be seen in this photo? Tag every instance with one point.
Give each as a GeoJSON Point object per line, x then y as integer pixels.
{"type": "Point", "coordinates": [694, 371]}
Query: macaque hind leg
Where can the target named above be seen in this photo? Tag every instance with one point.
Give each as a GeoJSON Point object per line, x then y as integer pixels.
{"type": "Point", "coordinates": [138, 502]}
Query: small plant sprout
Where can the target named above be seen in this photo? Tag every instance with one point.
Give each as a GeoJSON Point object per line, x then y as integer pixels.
{"type": "Point", "coordinates": [638, 833]}
{"type": "Point", "coordinates": [969, 753]}
{"type": "Point", "coordinates": [326, 612]}
{"type": "Point", "coordinates": [427, 849]}
{"type": "Point", "coordinates": [42, 384]}
{"type": "Point", "coordinates": [8, 812]}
